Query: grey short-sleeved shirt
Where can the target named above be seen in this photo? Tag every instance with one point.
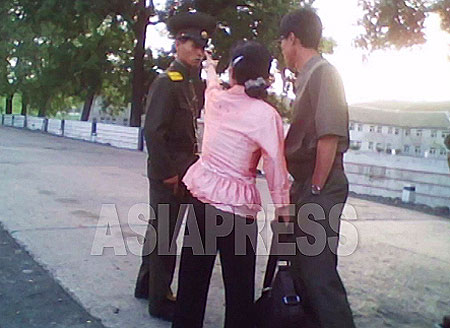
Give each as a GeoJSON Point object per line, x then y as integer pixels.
{"type": "Point", "coordinates": [321, 110]}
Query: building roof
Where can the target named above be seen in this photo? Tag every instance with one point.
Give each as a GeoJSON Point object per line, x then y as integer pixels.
{"type": "Point", "coordinates": [400, 118]}
{"type": "Point", "coordinates": [434, 106]}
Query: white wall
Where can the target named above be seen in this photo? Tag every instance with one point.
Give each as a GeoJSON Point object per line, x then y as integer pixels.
{"type": "Point", "coordinates": [35, 123]}
{"type": "Point", "coordinates": [118, 136]}
{"type": "Point", "coordinates": [54, 126]}
{"type": "Point", "coordinates": [386, 175]}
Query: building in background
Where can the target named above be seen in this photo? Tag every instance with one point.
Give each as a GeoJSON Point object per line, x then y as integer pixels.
{"type": "Point", "coordinates": [108, 115]}
{"type": "Point", "coordinates": [399, 132]}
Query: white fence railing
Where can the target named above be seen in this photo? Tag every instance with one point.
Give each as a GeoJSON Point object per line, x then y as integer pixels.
{"type": "Point", "coordinates": [18, 121]}
{"type": "Point", "coordinates": [7, 120]}
{"type": "Point", "coordinates": [34, 123]}
{"type": "Point", "coordinates": [54, 126]}
{"type": "Point", "coordinates": [78, 130]}
{"type": "Point", "coordinates": [110, 134]}
{"type": "Point", "coordinates": [118, 136]}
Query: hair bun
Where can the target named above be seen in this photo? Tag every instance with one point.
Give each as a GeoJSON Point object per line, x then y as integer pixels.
{"type": "Point", "coordinates": [256, 88]}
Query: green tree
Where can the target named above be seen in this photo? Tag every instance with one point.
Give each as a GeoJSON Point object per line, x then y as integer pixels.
{"type": "Point", "coordinates": [238, 20]}
{"type": "Point", "coordinates": [398, 23]}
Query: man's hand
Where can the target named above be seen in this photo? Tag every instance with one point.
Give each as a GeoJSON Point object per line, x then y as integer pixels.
{"type": "Point", "coordinates": [173, 182]}
{"type": "Point", "coordinates": [326, 153]}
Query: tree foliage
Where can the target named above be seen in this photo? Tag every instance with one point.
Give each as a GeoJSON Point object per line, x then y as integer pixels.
{"type": "Point", "coordinates": [64, 49]}
{"type": "Point", "coordinates": [58, 53]}
{"type": "Point", "coordinates": [238, 20]}
{"type": "Point", "coordinates": [398, 23]}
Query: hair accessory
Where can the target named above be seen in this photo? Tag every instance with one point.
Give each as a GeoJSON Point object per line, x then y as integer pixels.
{"type": "Point", "coordinates": [236, 60]}
{"type": "Point", "coordinates": [258, 83]}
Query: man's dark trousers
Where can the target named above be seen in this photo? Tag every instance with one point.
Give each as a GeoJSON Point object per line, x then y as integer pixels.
{"type": "Point", "coordinates": [315, 269]}
{"type": "Point", "coordinates": [156, 271]}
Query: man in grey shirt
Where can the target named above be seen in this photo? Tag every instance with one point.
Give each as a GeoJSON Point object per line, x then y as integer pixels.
{"type": "Point", "coordinates": [314, 146]}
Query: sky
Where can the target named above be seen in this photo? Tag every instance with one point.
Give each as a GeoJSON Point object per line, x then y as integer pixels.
{"type": "Point", "coordinates": [420, 73]}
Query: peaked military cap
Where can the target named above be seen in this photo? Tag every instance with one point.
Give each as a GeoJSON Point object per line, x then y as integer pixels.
{"type": "Point", "coordinates": [195, 26]}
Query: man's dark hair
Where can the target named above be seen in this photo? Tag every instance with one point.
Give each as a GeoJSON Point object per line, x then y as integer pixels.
{"type": "Point", "coordinates": [251, 60]}
{"type": "Point", "coordinates": [306, 26]}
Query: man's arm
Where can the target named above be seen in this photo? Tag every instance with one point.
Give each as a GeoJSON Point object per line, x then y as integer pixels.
{"type": "Point", "coordinates": [326, 153]}
{"type": "Point", "coordinates": [331, 121]}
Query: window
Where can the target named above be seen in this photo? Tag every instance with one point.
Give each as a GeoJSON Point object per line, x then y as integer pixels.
{"type": "Point", "coordinates": [407, 132]}
{"type": "Point", "coordinates": [352, 126]}
{"type": "Point", "coordinates": [379, 146]}
{"type": "Point", "coordinates": [418, 133]}
{"type": "Point", "coordinates": [442, 151]}
{"type": "Point", "coordinates": [388, 147]}
{"type": "Point", "coordinates": [390, 130]}
{"type": "Point", "coordinates": [433, 134]}
{"type": "Point", "coordinates": [432, 151]}
{"type": "Point", "coordinates": [406, 148]}
{"type": "Point", "coordinates": [417, 150]}
{"type": "Point", "coordinates": [372, 128]}
{"type": "Point", "coordinates": [397, 131]}
{"type": "Point", "coordinates": [379, 129]}
{"type": "Point", "coordinates": [360, 127]}
{"type": "Point", "coordinates": [371, 145]}
{"type": "Point", "coordinates": [355, 145]}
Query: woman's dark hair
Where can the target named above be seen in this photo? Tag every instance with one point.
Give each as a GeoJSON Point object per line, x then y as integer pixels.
{"type": "Point", "coordinates": [251, 62]}
{"type": "Point", "coordinates": [306, 26]}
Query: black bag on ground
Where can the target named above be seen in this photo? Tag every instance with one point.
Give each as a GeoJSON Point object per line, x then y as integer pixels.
{"type": "Point", "coordinates": [279, 306]}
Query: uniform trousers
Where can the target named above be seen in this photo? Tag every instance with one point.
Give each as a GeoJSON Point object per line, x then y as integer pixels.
{"type": "Point", "coordinates": [158, 265]}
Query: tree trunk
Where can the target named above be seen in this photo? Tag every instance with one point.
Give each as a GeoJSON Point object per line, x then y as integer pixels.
{"type": "Point", "coordinates": [138, 79]}
{"type": "Point", "coordinates": [9, 104]}
{"type": "Point", "coordinates": [42, 111]}
{"type": "Point", "coordinates": [43, 107]}
{"type": "Point", "coordinates": [24, 105]}
{"type": "Point", "coordinates": [87, 106]}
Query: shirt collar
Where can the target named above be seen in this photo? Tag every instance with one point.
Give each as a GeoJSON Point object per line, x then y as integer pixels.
{"type": "Point", "coordinates": [186, 71]}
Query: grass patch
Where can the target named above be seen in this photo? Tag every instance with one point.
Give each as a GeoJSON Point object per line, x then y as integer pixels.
{"type": "Point", "coordinates": [17, 104]}
{"type": "Point", "coordinates": [17, 109]}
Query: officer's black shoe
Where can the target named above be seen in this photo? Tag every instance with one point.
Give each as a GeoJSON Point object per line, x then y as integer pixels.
{"type": "Point", "coordinates": [165, 310]}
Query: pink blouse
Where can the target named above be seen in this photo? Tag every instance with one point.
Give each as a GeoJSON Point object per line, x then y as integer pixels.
{"type": "Point", "coordinates": [238, 131]}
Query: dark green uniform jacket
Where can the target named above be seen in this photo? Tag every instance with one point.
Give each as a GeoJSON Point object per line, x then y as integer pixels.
{"type": "Point", "coordinates": [174, 99]}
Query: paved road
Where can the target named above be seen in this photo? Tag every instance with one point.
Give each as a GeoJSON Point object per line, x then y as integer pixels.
{"type": "Point", "coordinates": [30, 297]}
{"type": "Point", "coordinates": [52, 191]}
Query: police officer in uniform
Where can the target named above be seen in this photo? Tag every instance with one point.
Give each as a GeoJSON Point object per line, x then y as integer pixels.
{"type": "Point", "coordinates": [172, 107]}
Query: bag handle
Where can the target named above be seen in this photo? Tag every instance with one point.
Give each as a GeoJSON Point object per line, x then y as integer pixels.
{"type": "Point", "coordinates": [272, 264]}
{"type": "Point", "coordinates": [270, 270]}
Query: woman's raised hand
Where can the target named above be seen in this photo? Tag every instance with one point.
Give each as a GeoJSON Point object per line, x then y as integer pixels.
{"type": "Point", "coordinates": [210, 62]}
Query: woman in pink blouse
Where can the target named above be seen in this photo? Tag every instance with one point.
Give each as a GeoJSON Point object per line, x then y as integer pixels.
{"type": "Point", "coordinates": [240, 128]}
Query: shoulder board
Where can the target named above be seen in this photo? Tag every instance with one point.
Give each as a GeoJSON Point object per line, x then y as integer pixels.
{"type": "Point", "coordinates": [175, 76]}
